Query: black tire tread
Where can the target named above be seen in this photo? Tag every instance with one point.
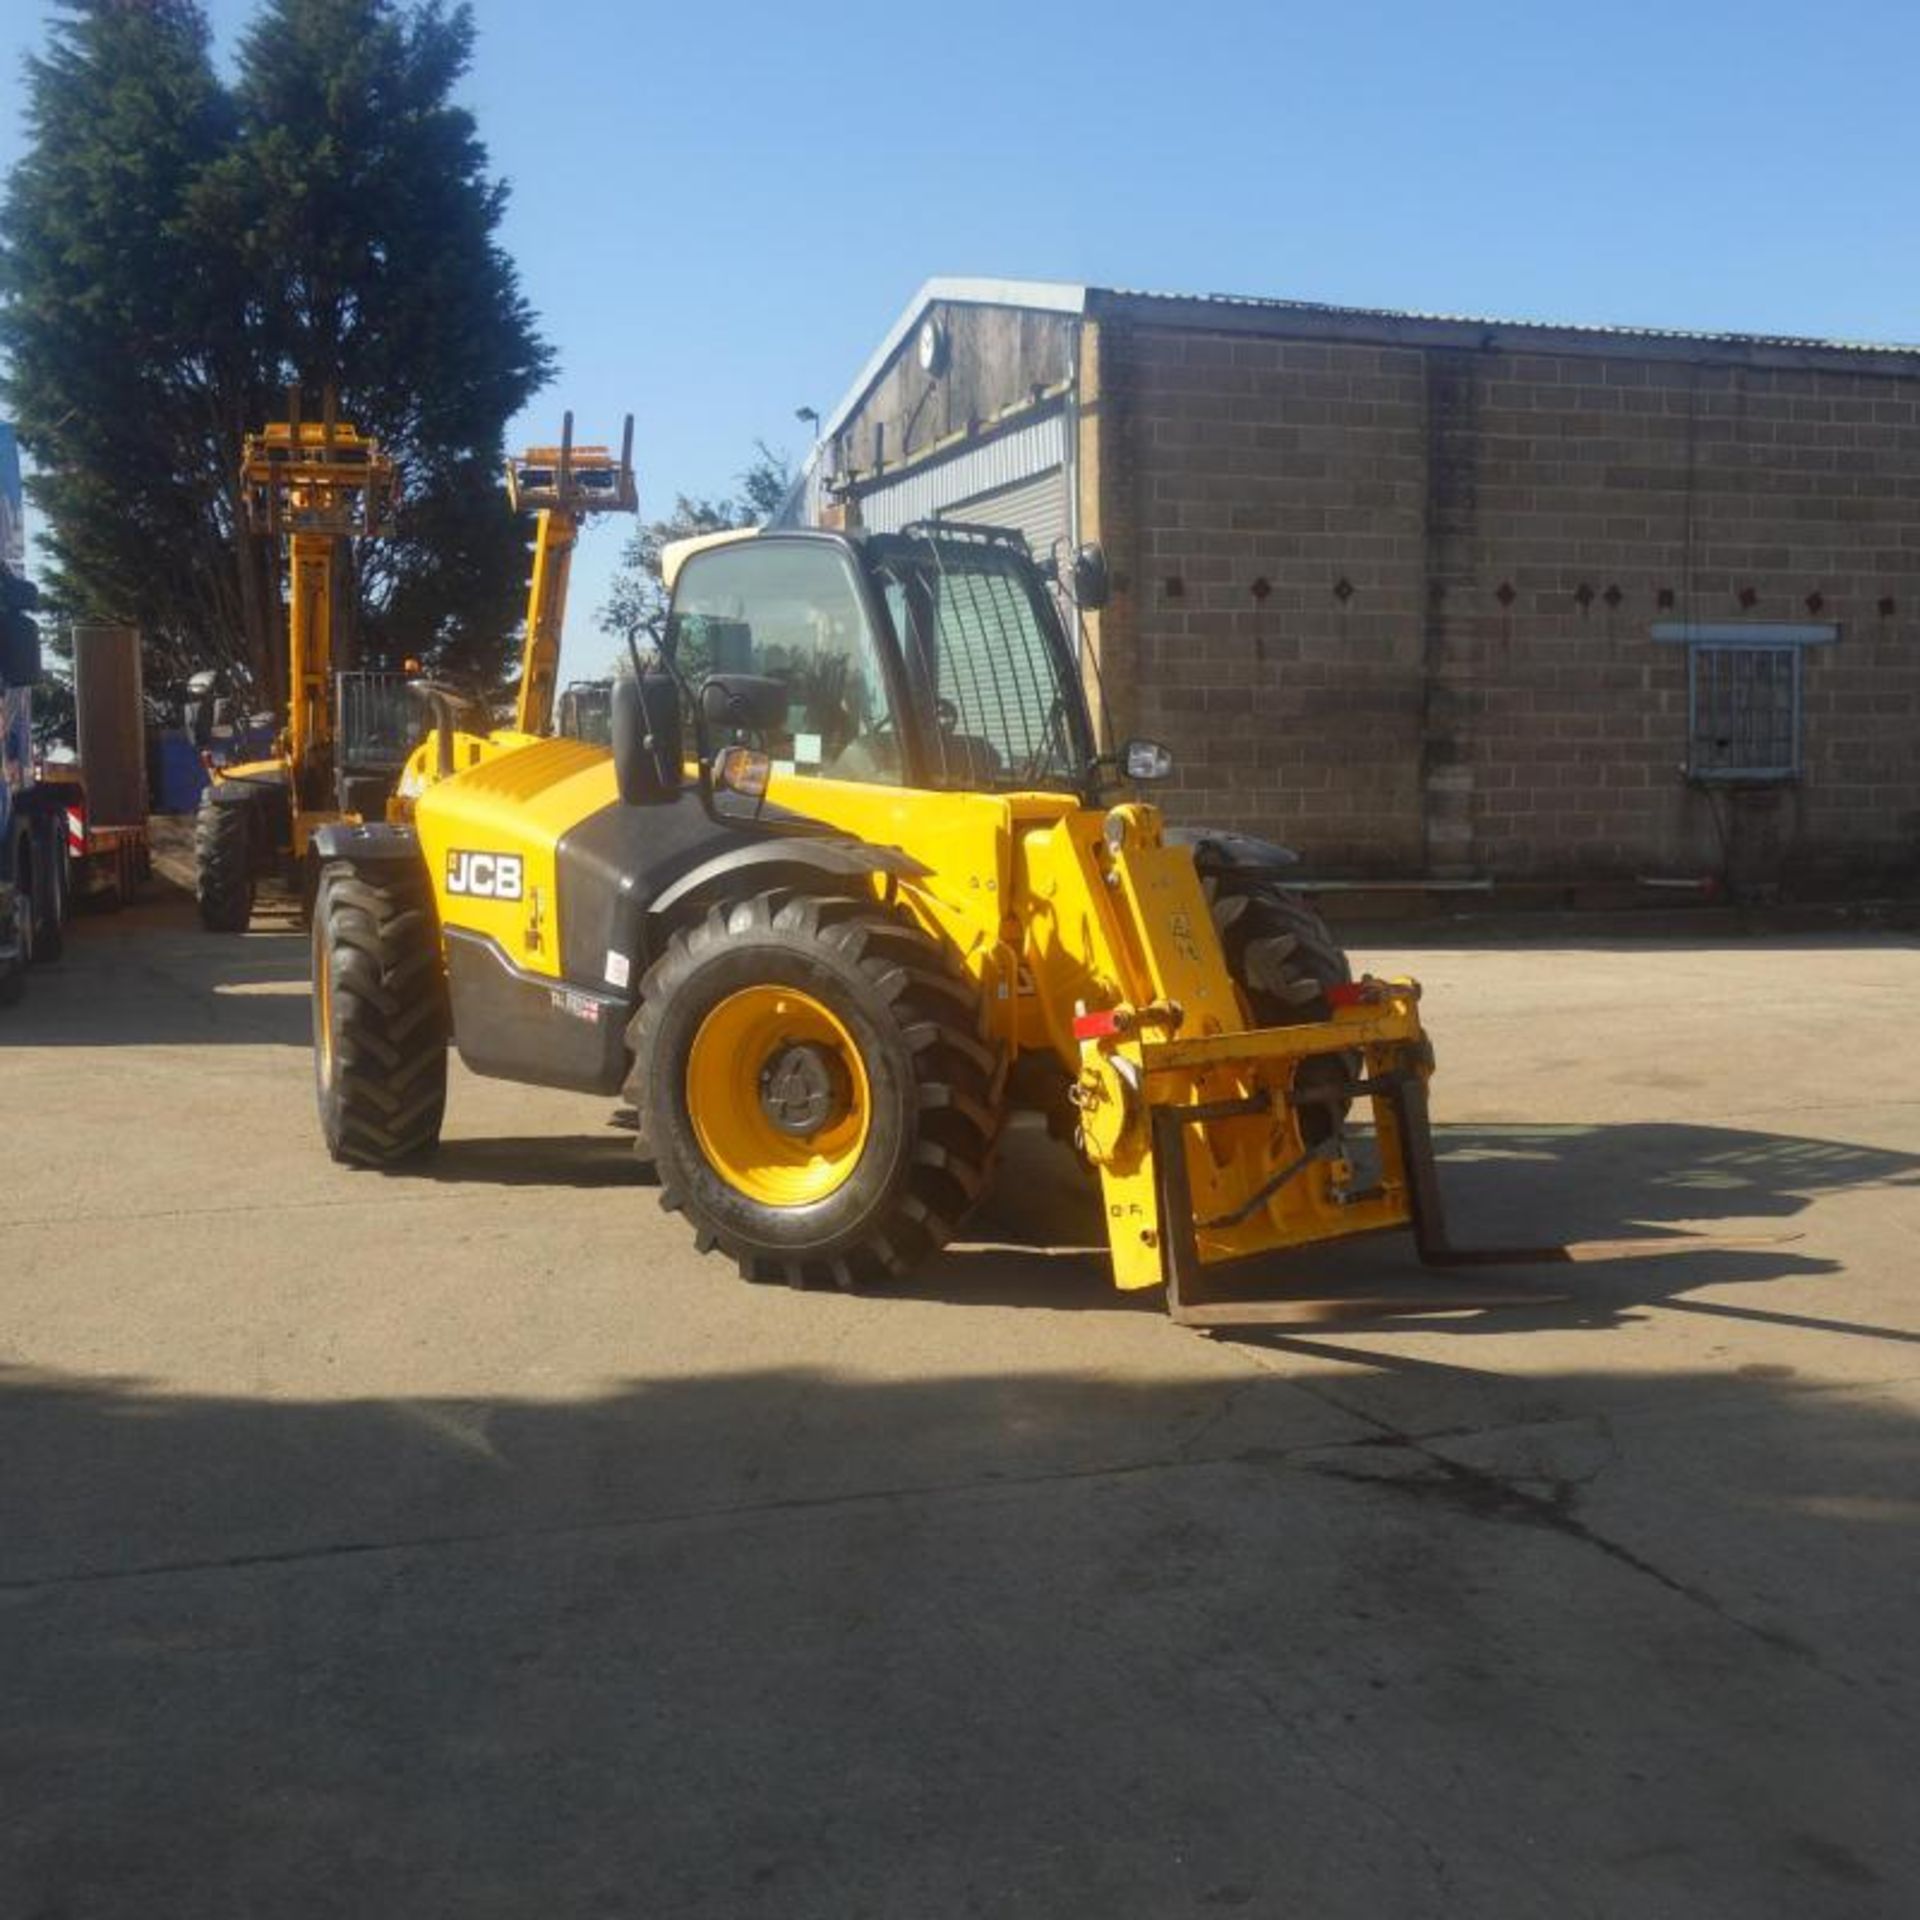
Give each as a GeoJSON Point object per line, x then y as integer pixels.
{"type": "Point", "coordinates": [1280, 952]}
{"type": "Point", "coordinates": [50, 903]}
{"type": "Point", "coordinates": [1283, 957]}
{"type": "Point", "coordinates": [916, 983]}
{"type": "Point", "coordinates": [223, 875]}
{"type": "Point", "coordinates": [390, 1016]}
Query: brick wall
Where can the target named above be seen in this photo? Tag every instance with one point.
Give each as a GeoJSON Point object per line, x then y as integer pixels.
{"type": "Point", "coordinates": [1395, 602]}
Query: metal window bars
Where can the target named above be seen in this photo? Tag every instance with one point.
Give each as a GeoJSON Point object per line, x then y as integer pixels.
{"type": "Point", "coordinates": [379, 723]}
{"type": "Point", "coordinates": [1743, 705]}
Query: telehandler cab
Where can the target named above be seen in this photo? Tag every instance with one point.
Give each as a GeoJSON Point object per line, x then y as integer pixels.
{"type": "Point", "coordinates": [854, 881]}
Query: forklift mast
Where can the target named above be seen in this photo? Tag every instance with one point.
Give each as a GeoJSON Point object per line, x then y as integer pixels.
{"type": "Point", "coordinates": [565, 484]}
{"type": "Point", "coordinates": [316, 483]}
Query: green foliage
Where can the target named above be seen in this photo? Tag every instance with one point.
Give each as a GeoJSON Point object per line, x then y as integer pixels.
{"type": "Point", "coordinates": [637, 598]}
{"type": "Point", "coordinates": [174, 253]}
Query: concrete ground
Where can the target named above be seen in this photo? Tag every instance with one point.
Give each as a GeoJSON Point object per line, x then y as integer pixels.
{"type": "Point", "coordinates": [462, 1544]}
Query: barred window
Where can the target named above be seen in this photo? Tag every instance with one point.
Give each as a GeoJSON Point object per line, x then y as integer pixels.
{"type": "Point", "coordinates": [1745, 712]}
{"type": "Point", "coordinates": [1745, 681]}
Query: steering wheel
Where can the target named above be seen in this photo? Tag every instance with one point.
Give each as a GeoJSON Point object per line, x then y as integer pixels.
{"type": "Point", "coordinates": [946, 716]}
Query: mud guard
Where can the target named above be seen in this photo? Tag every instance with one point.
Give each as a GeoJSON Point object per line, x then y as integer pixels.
{"type": "Point", "coordinates": [371, 843]}
{"type": "Point", "coordinates": [1216, 850]}
{"type": "Point", "coordinates": [764, 859]}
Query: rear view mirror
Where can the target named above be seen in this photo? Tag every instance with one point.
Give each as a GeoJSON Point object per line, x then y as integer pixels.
{"type": "Point", "coordinates": [1090, 582]}
{"type": "Point", "coordinates": [19, 651]}
{"type": "Point", "coordinates": [444, 705]}
{"type": "Point", "coordinates": [742, 770]}
{"type": "Point", "coordinates": [1146, 760]}
{"type": "Point", "coordinates": [19, 636]}
{"type": "Point", "coordinates": [646, 739]}
{"type": "Point", "coordinates": [743, 702]}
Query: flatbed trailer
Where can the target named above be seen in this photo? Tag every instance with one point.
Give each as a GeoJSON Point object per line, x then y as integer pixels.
{"type": "Point", "coordinates": [106, 865]}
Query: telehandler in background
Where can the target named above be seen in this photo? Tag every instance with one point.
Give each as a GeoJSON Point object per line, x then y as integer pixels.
{"type": "Point", "coordinates": [347, 735]}
{"type": "Point", "coordinates": [344, 753]}
{"type": "Point", "coordinates": [563, 485]}
{"type": "Point", "coordinates": [855, 881]}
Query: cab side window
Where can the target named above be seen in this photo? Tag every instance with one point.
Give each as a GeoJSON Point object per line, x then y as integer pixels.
{"type": "Point", "coordinates": [791, 611]}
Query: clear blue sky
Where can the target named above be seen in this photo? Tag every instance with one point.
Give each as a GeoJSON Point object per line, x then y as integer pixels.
{"type": "Point", "coordinates": [718, 209]}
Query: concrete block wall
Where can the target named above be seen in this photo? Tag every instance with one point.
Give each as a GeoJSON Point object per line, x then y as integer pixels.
{"type": "Point", "coordinates": [1395, 602]}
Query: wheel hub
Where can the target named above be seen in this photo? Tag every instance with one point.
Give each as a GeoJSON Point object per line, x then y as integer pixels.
{"type": "Point", "coordinates": [804, 1087]}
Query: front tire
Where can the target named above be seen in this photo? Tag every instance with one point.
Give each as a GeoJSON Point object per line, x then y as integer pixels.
{"type": "Point", "coordinates": [816, 1088]}
{"type": "Point", "coordinates": [1281, 954]}
{"type": "Point", "coordinates": [223, 865]}
{"type": "Point", "coordinates": [380, 1020]}
{"type": "Point", "coordinates": [1283, 958]}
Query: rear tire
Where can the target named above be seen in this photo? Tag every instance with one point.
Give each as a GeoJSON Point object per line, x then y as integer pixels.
{"type": "Point", "coordinates": [13, 971]}
{"type": "Point", "coordinates": [26, 899]}
{"type": "Point", "coordinates": [50, 937]}
{"type": "Point", "coordinates": [380, 1020]}
{"type": "Point", "coordinates": [223, 860]}
{"type": "Point", "coordinates": [816, 1087]}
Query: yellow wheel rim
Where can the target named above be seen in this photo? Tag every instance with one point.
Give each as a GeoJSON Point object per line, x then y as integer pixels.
{"type": "Point", "coordinates": [778, 1096]}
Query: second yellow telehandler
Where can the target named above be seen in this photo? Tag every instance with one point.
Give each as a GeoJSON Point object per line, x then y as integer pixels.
{"type": "Point", "coordinates": [313, 484]}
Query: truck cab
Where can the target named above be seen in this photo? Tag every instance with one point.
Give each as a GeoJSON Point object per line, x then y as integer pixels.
{"type": "Point", "coordinates": [32, 867]}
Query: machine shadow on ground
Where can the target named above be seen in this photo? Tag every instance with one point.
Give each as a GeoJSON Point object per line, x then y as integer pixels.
{"type": "Point", "coordinates": [149, 976]}
{"type": "Point", "coordinates": [792, 1643]}
{"type": "Point", "coordinates": [536, 1160]}
{"type": "Point", "coordinates": [1038, 1238]}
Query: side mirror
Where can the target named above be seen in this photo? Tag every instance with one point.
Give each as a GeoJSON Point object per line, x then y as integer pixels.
{"type": "Point", "coordinates": [1091, 584]}
{"type": "Point", "coordinates": [19, 637]}
{"type": "Point", "coordinates": [646, 739]}
{"type": "Point", "coordinates": [1146, 760]}
{"type": "Point", "coordinates": [744, 702]}
{"type": "Point", "coordinates": [444, 705]}
{"type": "Point", "coordinates": [19, 650]}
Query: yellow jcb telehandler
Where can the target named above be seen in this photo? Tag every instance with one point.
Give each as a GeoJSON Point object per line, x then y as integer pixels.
{"type": "Point", "coordinates": [853, 882]}
{"type": "Point", "coordinates": [315, 484]}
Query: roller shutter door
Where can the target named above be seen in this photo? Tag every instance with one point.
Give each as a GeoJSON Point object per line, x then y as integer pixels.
{"type": "Point", "coordinates": [1035, 507]}
{"type": "Point", "coordinates": [1015, 478]}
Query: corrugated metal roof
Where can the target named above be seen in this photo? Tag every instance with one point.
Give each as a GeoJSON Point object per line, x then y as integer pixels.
{"type": "Point", "coordinates": [1070, 297]}
{"type": "Point", "coordinates": [1332, 311]}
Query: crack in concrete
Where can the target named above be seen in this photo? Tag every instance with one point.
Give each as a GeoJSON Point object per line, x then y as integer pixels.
{"type": "Point", "coordinates": [68, 1221]}
{"type": "Point", "coordinates": [1481, 1492]}
{"type": "Point", "coordinates": [1432, 1852]}
{"type": "Point", "coordinates": [1491, 1497]}
{"type": "Point", "coordinates": [642, 1522]}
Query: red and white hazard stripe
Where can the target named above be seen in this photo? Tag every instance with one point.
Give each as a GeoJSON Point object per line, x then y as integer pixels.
{"type": "Point", "coordinates": [76, 833]}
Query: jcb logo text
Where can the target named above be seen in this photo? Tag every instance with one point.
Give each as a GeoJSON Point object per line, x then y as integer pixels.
{"type": "Point", "coordinates": [486, 876]}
